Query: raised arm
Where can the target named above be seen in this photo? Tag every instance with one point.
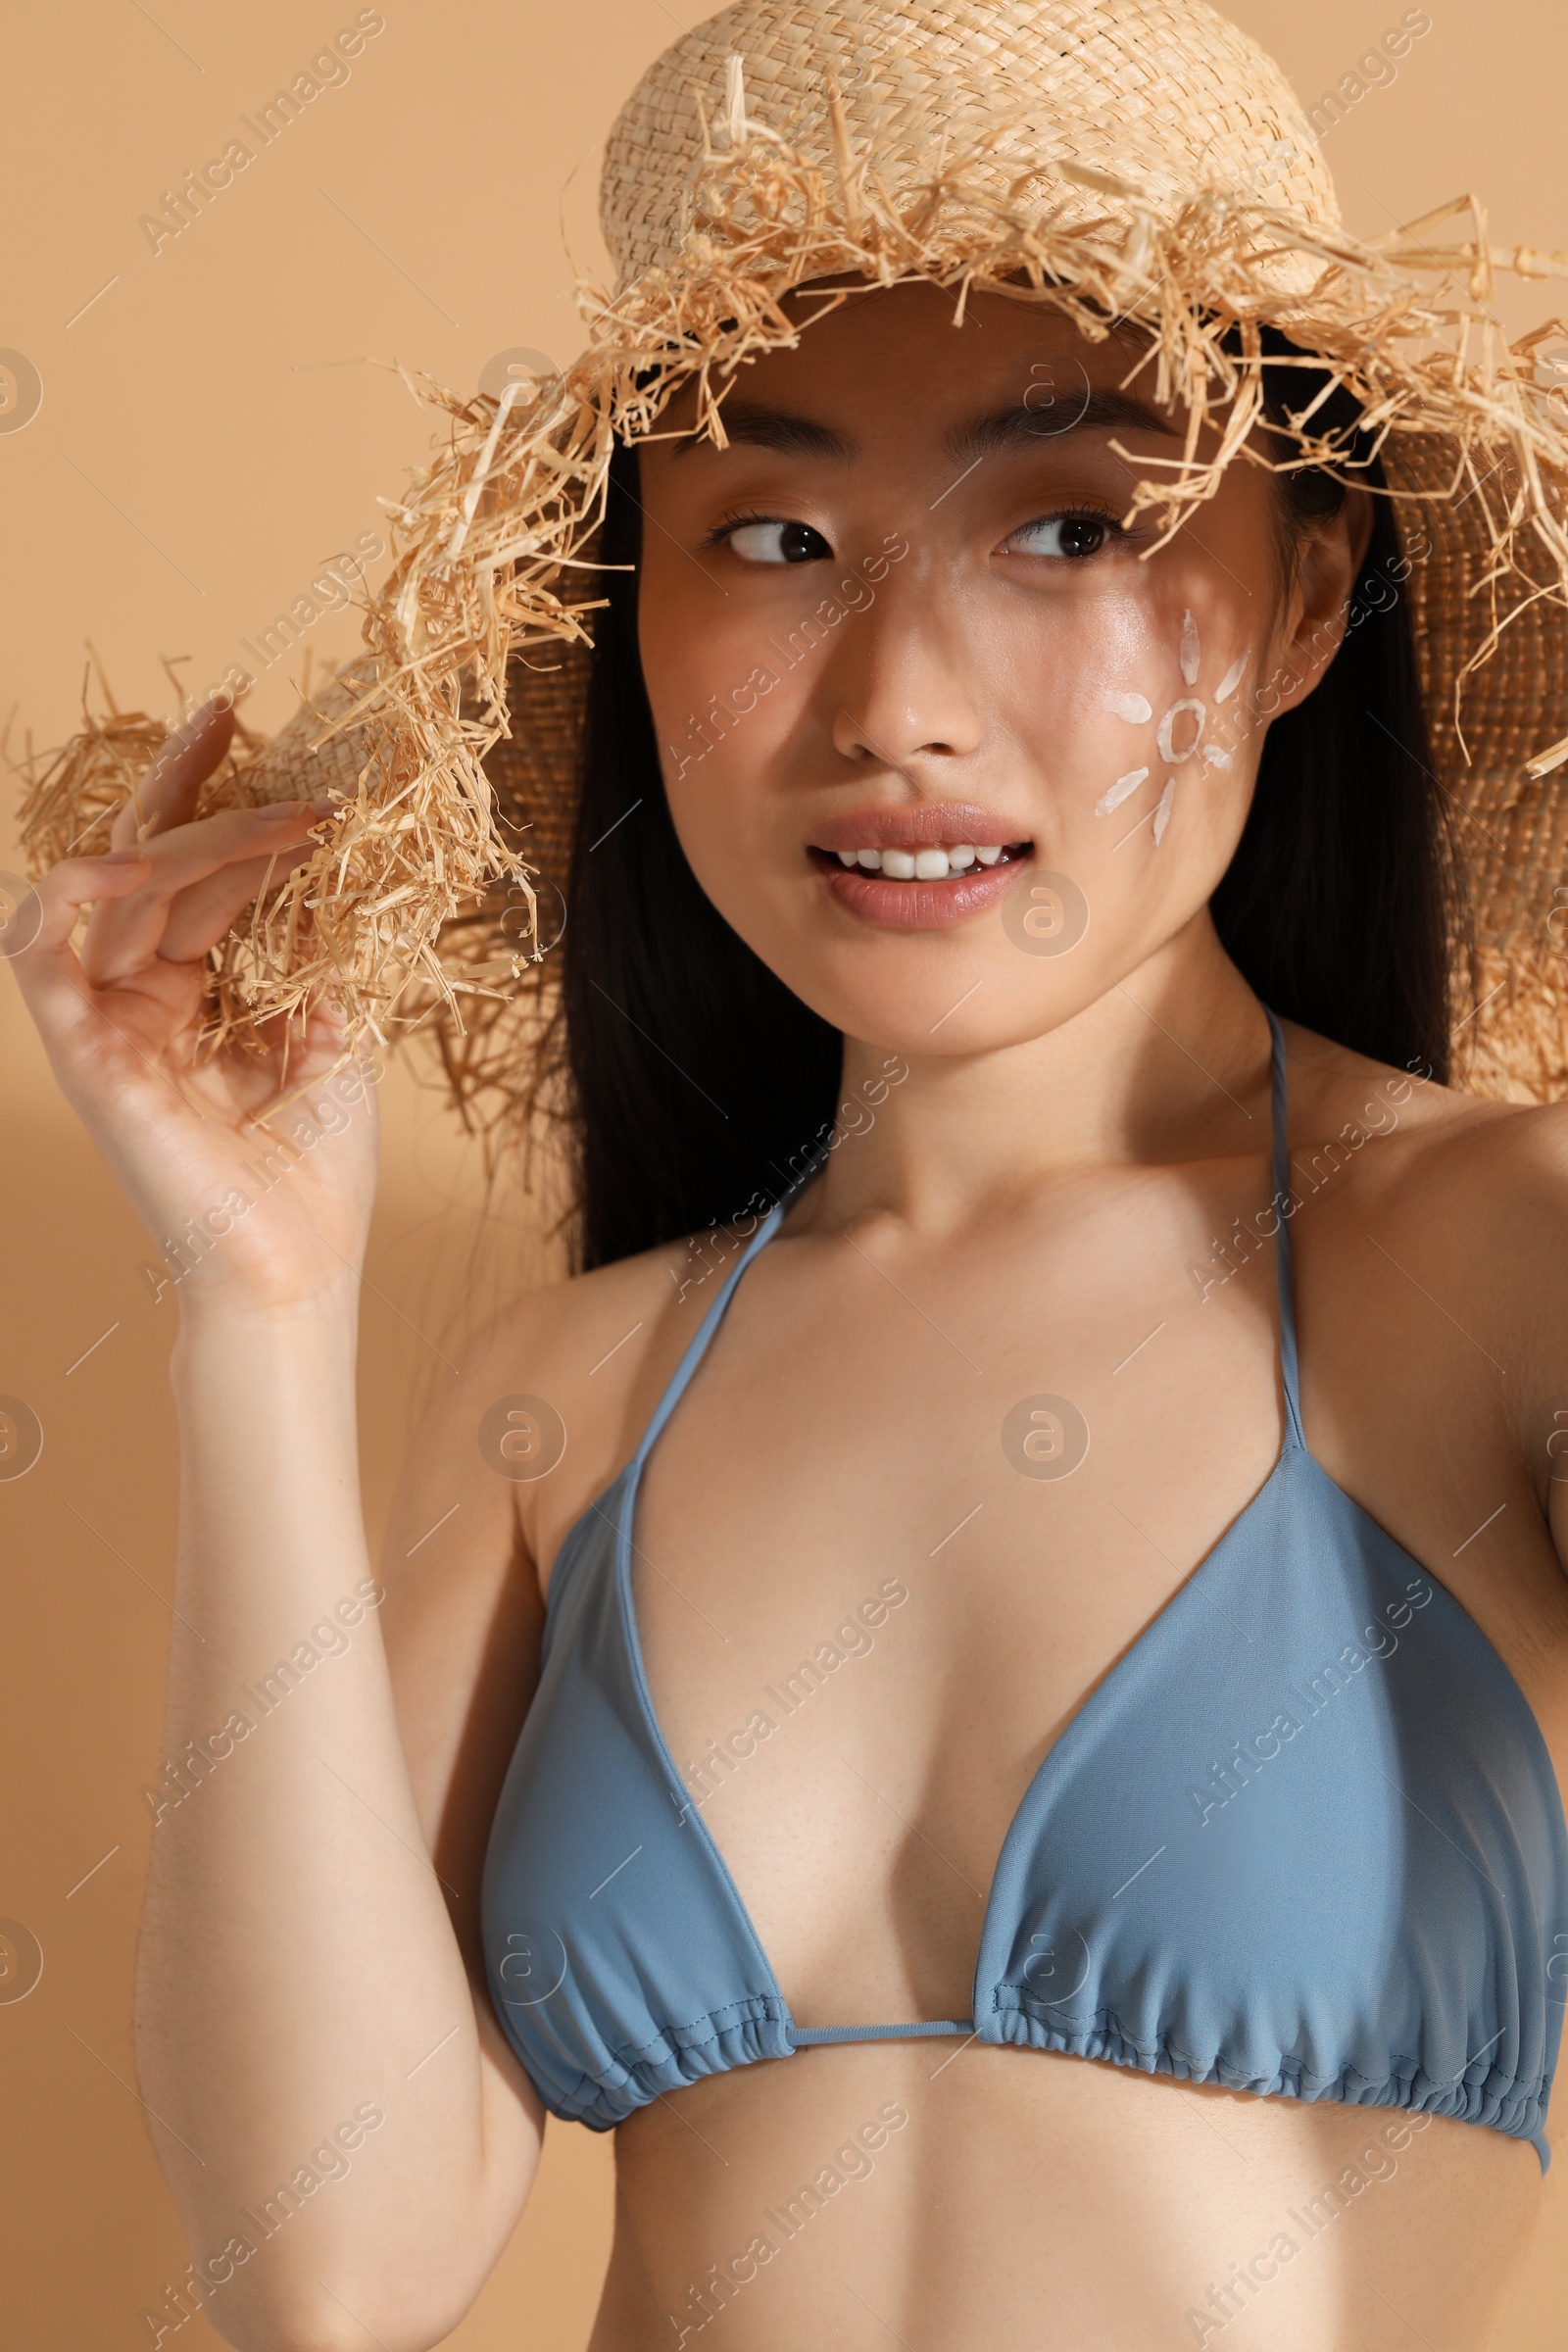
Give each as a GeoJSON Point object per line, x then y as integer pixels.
{"type": "Point", "coordinates": [346, 2141]}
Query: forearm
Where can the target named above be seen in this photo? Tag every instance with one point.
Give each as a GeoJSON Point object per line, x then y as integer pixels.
{"type": "Point", "coordinates": [297, 1961]}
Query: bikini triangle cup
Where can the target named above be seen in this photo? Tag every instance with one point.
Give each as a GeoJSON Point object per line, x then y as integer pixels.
{"type": "Point", "coordinates": [1304, 1838]}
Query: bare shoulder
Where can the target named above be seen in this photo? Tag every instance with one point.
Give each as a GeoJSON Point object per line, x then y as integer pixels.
{"type": "Point", "coordinates": [1450, 1135]}
{"type": "Point", "coordinates": [551, 1397]}
{"type": "Point", "coordinates": [531, 1420]}
{"type": "Point", "coordinates": [1476, 1188]}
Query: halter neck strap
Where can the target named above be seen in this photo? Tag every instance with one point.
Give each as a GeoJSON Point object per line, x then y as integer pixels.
{"type": "Point", "coordinates": [1284, 1207]}
{"type": "Point", "coordinates": [697, 1346]}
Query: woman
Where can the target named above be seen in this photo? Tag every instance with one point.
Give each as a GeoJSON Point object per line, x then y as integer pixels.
{"type": "Point", "coordinates": [1035, 1807]}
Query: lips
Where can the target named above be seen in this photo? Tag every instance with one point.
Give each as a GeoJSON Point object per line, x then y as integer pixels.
{"type": "Point", "coordinates": [910, 898]}
{"type": "Point", "coordinates": [888, 905]}
{"type": "Point", "coordinates": [935, 824]}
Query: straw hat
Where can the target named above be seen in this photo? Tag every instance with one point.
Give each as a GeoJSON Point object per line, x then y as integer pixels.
{"type": "Point", "coordinates": [1111, 159]}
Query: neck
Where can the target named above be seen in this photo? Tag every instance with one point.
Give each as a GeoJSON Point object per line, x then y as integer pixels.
{"type": "Point", "coordinates": [1170, 1062]}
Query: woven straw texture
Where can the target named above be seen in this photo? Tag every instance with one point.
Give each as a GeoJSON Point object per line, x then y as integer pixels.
{"type": "Point", "coordinates": [1167, 92]}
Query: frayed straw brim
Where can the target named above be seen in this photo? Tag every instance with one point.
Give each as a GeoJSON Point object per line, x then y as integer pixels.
{"type": "Point", "coordinates": [457, 737]}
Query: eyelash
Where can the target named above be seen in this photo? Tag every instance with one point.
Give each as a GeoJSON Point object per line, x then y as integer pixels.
{"type": "Point", "coordinates": [1113, 527]}
{"type": "Point", "coordinates": [736, 521]}
{"type": "Point", "coordinates": [1109, 521]}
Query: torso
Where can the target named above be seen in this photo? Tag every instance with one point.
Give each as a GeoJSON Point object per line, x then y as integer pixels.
{"type": "Point", "coordinates": [840, 1436]}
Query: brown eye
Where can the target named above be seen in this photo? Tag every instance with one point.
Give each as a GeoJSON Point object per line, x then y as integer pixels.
{"type": "Point", "coordinates": [778, 542]}
{"type": "Point", "coordinates": [1063, 535]}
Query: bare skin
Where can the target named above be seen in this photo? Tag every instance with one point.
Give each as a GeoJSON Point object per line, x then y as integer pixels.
{"type": "Point", "coordinates": [1024, 1210]}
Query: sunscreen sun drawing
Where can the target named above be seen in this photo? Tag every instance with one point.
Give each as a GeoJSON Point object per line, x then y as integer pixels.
{"type": "Point", "coordinates": [1187, 717]}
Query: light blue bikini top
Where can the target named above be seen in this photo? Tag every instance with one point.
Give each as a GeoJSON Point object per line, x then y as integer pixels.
{"type": "Point", "coordinates": [1304, 1838]}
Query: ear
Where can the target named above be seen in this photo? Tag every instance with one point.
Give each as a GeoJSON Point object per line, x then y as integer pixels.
{"type": "Point", "coordinates": [1316, 610]}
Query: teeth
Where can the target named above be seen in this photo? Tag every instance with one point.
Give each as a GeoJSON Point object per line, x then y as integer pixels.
{"type": "Point", "coordinates": [922, 866]}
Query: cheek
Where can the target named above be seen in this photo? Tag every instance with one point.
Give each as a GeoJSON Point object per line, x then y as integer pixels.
{"type": "Point", "coordinates": [709, 678]}
{"type": "Point", "coordinates": [725, 753]}
{"type": "Point", "coordinates": [737, 712]}
{"type": "Point", "coordinates": [1138, 727]}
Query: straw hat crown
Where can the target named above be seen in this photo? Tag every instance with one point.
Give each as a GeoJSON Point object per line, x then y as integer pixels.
{"type": "Point", "coordinates": [1165, 93]}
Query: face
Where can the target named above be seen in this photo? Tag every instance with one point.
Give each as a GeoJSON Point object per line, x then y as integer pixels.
{"type": "Point", "coordinates": [951, 749]}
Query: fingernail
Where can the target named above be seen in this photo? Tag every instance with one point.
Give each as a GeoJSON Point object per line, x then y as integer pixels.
{"type": "Point", "coordinates": [123, 858]}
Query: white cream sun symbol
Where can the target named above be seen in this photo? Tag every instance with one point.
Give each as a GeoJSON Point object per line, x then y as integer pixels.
{"type": "Point", "coordinates": [1186, 717]}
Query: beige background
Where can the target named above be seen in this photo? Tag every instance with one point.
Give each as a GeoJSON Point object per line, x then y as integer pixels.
{"type": "Point", "coordinates": [210, 432]}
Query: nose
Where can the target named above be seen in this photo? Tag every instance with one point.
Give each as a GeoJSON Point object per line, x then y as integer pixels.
{"type": "Point", "coordinates": [901, 689]}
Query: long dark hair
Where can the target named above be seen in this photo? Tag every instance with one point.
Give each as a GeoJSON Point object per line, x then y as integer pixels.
{"type": "Point", "coordinates": [701, 1086]}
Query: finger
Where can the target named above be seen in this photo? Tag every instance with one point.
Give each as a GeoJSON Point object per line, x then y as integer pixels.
{"type": "Point", "coordinates": [167, 793]}
{"type": "Point", "coordinates": [123, 937]}
{"type": "Point", "coordinates": [37, 940]}
{"type": "Point", "coordinates": [199, 916]}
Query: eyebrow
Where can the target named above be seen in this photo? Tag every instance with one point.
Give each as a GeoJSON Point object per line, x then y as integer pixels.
{"type": "Point", "coordinates": [1014, 428]}
{"type": "Point", "coordinates": [1004, 431]}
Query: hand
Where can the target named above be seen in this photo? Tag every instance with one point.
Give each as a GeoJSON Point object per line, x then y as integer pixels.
{"type": "Point", "coordinates": [260, 1217]}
